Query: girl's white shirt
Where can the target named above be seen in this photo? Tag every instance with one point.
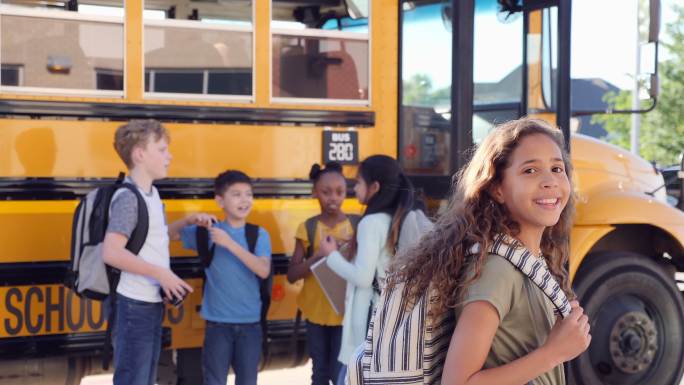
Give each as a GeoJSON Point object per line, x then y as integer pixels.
{"type": "Point", "coordinates": [371, 260]}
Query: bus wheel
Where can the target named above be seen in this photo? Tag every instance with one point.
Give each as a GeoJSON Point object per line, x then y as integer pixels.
{"type": "Point", "coordinates": [635, 310]}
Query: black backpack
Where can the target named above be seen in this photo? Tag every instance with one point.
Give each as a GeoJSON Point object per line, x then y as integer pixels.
{"type": "Point", "coordinates": [206, 255]}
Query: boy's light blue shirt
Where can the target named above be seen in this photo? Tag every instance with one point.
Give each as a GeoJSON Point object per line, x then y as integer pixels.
{"type": "Point", "coordinates": [231, 292]}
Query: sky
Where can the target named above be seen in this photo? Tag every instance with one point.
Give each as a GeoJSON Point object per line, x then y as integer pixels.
{"type": "Point", "coordinates": [602, 48]}
{"type": "Point", "coordinates": [608, 50]}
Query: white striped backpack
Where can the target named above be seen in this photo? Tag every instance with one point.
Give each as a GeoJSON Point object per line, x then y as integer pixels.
{"type": "Point", "coordinates": [409, 348]}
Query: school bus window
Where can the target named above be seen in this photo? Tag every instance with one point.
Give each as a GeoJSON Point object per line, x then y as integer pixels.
{"type": "Point", "coordinates": [200, 50]}
{"type": "Point", "coordinates": [497, 67]}
{"type": "Point", "coordinates": [425, 124]}
{"type": "Point", "coordinates": [497, 59]}
{"type": "Point", "coordinates": [484, 121]}
{"type": "Point", "coordinates": [542, 54]}
{"type": "Point", "coordinates": [54, 51]}
{"type": "Point", "coordinates": [319, 55]}
{"type": "Point", "coordinates": [549, 58]}
{"type": "Point", "coordinates": [347, 24]}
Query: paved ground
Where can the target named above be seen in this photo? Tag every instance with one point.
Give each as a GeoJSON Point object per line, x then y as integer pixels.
{"type": "Point", "coordinates": [297, 376]}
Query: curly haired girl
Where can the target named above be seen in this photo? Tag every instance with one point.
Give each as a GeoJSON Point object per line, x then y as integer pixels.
{"type": "Point", "coordinates": [517, 185]}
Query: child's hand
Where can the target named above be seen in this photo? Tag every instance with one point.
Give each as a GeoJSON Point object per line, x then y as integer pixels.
{"type": "Point", "coordinates": [220, 237]}
{"type": "Point", "coordinates": [327, 246]}
{"type": "Point", "coordinates": [202, 219]}
{"type": "Point", "coordinates": [172, 285]}
{"type": "Point", "coordinates": [569, 337]}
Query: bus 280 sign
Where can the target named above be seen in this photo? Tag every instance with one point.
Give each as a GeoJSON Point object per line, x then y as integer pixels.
{"type": "Point", "coordinates": [341, 147]}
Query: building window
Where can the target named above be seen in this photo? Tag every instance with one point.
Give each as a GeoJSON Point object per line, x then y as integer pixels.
{"type": "Point", "coordinates": [200, 50]}
{"type": "Point", "coordinates": [59, 51]}
{"type": "Point", "coordinates": [320, 54]}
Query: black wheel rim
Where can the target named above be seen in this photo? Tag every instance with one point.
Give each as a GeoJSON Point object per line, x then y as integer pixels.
{"type": "Point", "coordinates": [633, 328]}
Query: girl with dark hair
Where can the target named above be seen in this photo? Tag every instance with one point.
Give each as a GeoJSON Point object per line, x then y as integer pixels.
{"type": "Point", "coordinates": [388, 194]}
{"type": "Point", "coordinates": [323, 324]}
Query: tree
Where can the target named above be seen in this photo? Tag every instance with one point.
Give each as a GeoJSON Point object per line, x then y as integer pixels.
{"type": "Point", "coordinates": [662, 130]}
{"type": "Point", "coordinates": [418, 91]}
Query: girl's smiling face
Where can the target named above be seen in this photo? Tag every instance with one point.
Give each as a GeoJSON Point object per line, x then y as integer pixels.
{"type": "Point", "coordinates": [534, 187]}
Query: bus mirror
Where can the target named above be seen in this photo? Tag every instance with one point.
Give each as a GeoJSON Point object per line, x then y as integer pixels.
{"type": "Point", "coordinates": [654, 21]}
{"type": "Point", "coordinates": [654, 88]}
{"type": "Point", "coordinates": [617, 70]}
{"type": "Point", "coordinates": [649, 70]}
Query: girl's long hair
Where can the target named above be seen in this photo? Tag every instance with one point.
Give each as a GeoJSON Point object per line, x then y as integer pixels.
{"type": "Point", "coordinates": [395, 196]}
{"type": "Point", "coordinates": [441, 258]}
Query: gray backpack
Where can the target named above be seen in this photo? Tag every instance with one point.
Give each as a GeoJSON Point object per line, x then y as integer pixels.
{"type": "Point", "coordinates": [88, 276]}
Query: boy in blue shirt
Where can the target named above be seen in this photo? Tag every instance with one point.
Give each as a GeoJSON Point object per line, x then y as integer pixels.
{"type": "Point", "coordinates": [232, 303]}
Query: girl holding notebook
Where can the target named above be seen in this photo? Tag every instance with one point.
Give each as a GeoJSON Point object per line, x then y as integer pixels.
{"type": "Point", "coordinates": [323, 324]}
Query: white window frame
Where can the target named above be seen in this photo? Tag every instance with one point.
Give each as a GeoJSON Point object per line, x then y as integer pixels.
{"type": "Point", "coordinates": [11, 10]}
{"type": "Point", "coordinates": [324, 33]}
{"type": "Point", "coordinates": [197, 24]}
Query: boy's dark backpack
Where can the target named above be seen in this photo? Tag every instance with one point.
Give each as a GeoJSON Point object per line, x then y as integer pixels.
{"type": "Point", "coordinates": [87, 275]}
{"type": "Point", "coordinates": [206, 254]}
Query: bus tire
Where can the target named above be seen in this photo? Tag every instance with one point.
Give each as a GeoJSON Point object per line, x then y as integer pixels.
{"type": "Point", "coordinates": [635, 310]}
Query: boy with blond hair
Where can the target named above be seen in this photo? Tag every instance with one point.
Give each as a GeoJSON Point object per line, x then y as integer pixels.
{"type": "Point", "coordinates": [143, 145]}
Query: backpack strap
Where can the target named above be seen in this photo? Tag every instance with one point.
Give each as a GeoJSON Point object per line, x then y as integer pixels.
{"type": "Point", "coordinates": [310, 226]}
{"type": "Point", "coordinates": [354, 219]}
{"type": "Point", "coordinates": [204, 251]}
{"type": "Point", "coordinates": [139, 234]}
{"type": "Point", "coordinates": [252, 235]}
{"type": "Point", "coordinates": [120, 178]}
{"type": "Point", "coordinates": [535, 269]}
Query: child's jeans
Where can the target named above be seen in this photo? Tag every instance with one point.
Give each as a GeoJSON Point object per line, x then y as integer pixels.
{"type": "Point", "coordinates": [137, 341]}
{"type": "Point", "coordinates": [236, 345]}
{"type": "Point", "coordinates": [324, 347]}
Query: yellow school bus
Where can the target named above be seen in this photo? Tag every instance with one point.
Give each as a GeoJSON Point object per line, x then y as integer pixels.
{"type": "Point", "coordinates": [270, 87]}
